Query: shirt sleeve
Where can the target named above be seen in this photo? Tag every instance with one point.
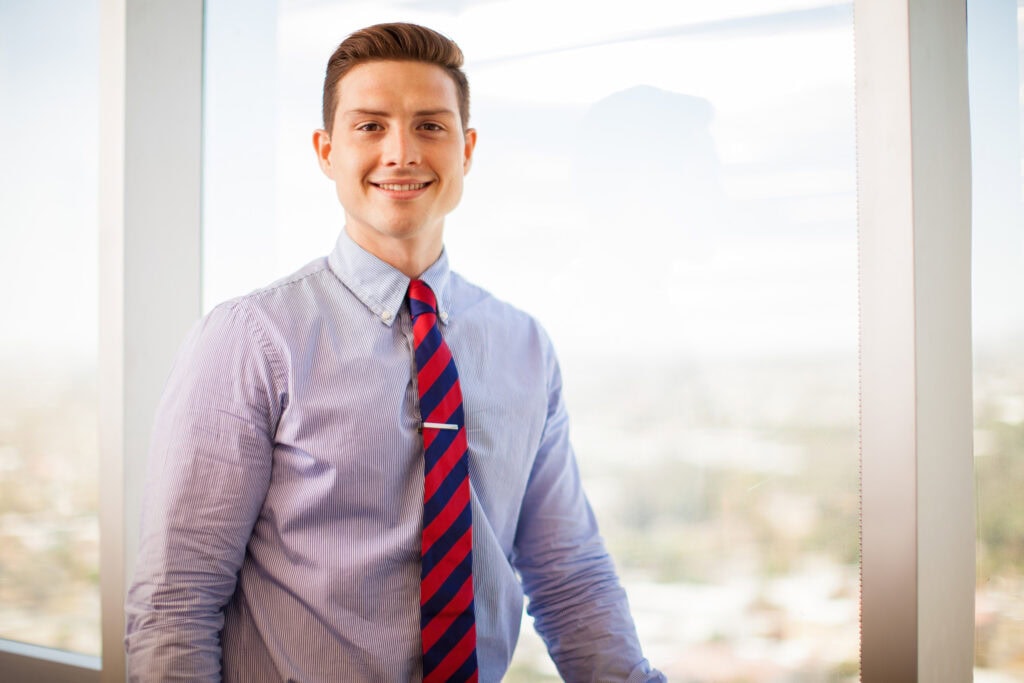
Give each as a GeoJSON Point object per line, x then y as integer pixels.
{"type": "Point", "coordinates": [208, 473]}
{"type": "Point", "coordinates": [578, 605]}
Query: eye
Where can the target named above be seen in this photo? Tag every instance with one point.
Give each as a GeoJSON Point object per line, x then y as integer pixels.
{"type": "Point", "coordinates": [432, 127]}
{"type": "Point", "coordinates": [369, 127]}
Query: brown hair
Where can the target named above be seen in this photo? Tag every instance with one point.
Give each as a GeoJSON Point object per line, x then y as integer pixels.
{"type": "Point", "coordinates": [405, 42]}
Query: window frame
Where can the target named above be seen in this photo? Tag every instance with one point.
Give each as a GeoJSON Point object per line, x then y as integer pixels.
{"type": "Point", "coordinates": [914, 244]}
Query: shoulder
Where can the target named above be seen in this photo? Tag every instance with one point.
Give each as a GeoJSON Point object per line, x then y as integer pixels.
{"type": "Point", "coordinates": [285, 305]}
{"type": "Point", "coordinates": [252, 322]}
{"type": "Point", "coordinates": [290, 293]}
{"type": "Point", "coordinates": [473, 302]}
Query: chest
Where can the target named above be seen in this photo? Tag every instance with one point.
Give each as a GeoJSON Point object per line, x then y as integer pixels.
{"type": "Point", "coordinates": [352, 417]}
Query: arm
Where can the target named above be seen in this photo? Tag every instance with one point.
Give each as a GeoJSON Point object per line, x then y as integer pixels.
{"type": "Point", "coordinates": [580, 610]}
{"type": "Point", "coordinates": [208, 472]}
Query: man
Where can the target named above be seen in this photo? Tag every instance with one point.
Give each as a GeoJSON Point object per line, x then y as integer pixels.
{"type": "Point", "coordinates": [357, 471]}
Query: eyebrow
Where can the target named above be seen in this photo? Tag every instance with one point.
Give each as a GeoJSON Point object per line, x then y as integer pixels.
{"type": "Point", "coordinates": [377, 112]}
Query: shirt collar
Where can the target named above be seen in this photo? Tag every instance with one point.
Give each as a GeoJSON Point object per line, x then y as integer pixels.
{"type": "Point", "coordinates": [382, 287]}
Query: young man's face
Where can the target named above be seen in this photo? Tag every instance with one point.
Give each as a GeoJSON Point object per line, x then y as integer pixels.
{"type": "Point", "coordinates": [397, 154]}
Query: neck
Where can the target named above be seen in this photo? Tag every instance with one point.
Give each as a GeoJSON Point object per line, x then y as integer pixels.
{"type": "Point", "coordinates": [409, 256]}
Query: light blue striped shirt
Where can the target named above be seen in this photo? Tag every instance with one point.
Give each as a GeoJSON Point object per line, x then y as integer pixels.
{"type": "Point", "coordinates": [283, 506]}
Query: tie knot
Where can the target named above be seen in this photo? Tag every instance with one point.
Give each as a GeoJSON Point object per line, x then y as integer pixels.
{"type": "Point", "coordinates": [421, 299]}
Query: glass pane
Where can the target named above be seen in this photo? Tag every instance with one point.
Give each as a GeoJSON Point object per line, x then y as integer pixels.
{"type": "Point", "coordinates": [685, 171]}
{"type": "Point", "coordinates": [995, 55]}
{"type": "Point", "coordinates": [49, 534]}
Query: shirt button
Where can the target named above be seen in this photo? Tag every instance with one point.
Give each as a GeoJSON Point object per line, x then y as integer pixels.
{"type": "Point", "coordinates": [386, 316]}
{"type": "Point", "coordinates": [444, 316]}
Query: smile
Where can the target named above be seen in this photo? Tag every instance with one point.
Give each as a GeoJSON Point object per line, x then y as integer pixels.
{"type": "Point", "coordinates": [394, 187]}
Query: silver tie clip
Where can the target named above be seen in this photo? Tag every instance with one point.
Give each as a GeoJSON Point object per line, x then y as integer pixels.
{"type": "Point", "coordinates": [439, 425]}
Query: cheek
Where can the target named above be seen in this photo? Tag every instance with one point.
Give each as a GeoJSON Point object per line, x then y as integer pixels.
{"type": "Point", "coordinates": [455, 191]}
{"type": "Point", "coordinates": [348, 172]}
{"type": "Point", "coordinates": [348, 157]}
{"type": "Point", "coordinates": [457, 167]}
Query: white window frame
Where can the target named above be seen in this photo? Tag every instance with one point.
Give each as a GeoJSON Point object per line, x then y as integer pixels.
{"type": "Point", "coordinates": [918, 529]}
{"type": "Point", "coordinates": [914, 228]}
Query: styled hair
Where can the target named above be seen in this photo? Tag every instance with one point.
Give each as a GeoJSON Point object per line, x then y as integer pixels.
{"type": "Point", "coordinates": [398, 41]}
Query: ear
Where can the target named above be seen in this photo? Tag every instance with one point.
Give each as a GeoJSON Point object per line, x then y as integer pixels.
{"type": "Point", "coordinates": [322, 145]}
{"type": "Point", "coordinates": [467, 155]}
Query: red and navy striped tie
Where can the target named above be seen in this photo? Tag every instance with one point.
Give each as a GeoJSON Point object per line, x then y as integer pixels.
{"type": "Point", "coordinates": [446, 578]}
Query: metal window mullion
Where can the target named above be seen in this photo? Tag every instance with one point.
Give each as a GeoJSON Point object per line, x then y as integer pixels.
{"type": "Point", "coordinates": [111, 334]}
{"type": "Point", "coordinates": [150, 193]}
{"type": "Point", "coordinates": [913, 147]}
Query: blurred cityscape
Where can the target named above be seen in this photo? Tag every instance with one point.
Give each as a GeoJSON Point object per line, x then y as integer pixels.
{"type": "Point", "coordinates": [728, 496]}
{"type": "Point", "coordinates": [49, 526]}
{"type": "Point", "coordinates": [999, 481]}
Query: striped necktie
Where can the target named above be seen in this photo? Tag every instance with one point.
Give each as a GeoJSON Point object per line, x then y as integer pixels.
{"type": "Point", "coordinates": [446, 578]}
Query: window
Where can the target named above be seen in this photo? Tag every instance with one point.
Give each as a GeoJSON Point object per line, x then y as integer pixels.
{"type": "Point", "coordinates": [688, 169]}
{"type": "Point", "coordinates": [49, 533]}
{"type": "Point", "coordinates": [995, 56]}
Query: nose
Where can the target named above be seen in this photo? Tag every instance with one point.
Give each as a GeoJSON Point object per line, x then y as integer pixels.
{"type": "Point", "coordinates": [400, 148]}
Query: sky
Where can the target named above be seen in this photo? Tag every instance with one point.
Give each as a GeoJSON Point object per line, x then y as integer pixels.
{"type": "Point", "coordinates": [49, 124]}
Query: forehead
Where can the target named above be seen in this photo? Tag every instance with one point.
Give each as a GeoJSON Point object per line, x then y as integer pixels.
{"type": "Point", "coordinates": [390, 84]}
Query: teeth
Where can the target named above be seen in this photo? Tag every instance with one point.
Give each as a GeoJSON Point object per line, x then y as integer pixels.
{"type": "Point", "coordinates": [402, 188]}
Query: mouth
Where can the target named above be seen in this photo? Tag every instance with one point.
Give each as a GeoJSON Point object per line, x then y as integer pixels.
{"type": "Point", "coordinates": [401, 187]}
